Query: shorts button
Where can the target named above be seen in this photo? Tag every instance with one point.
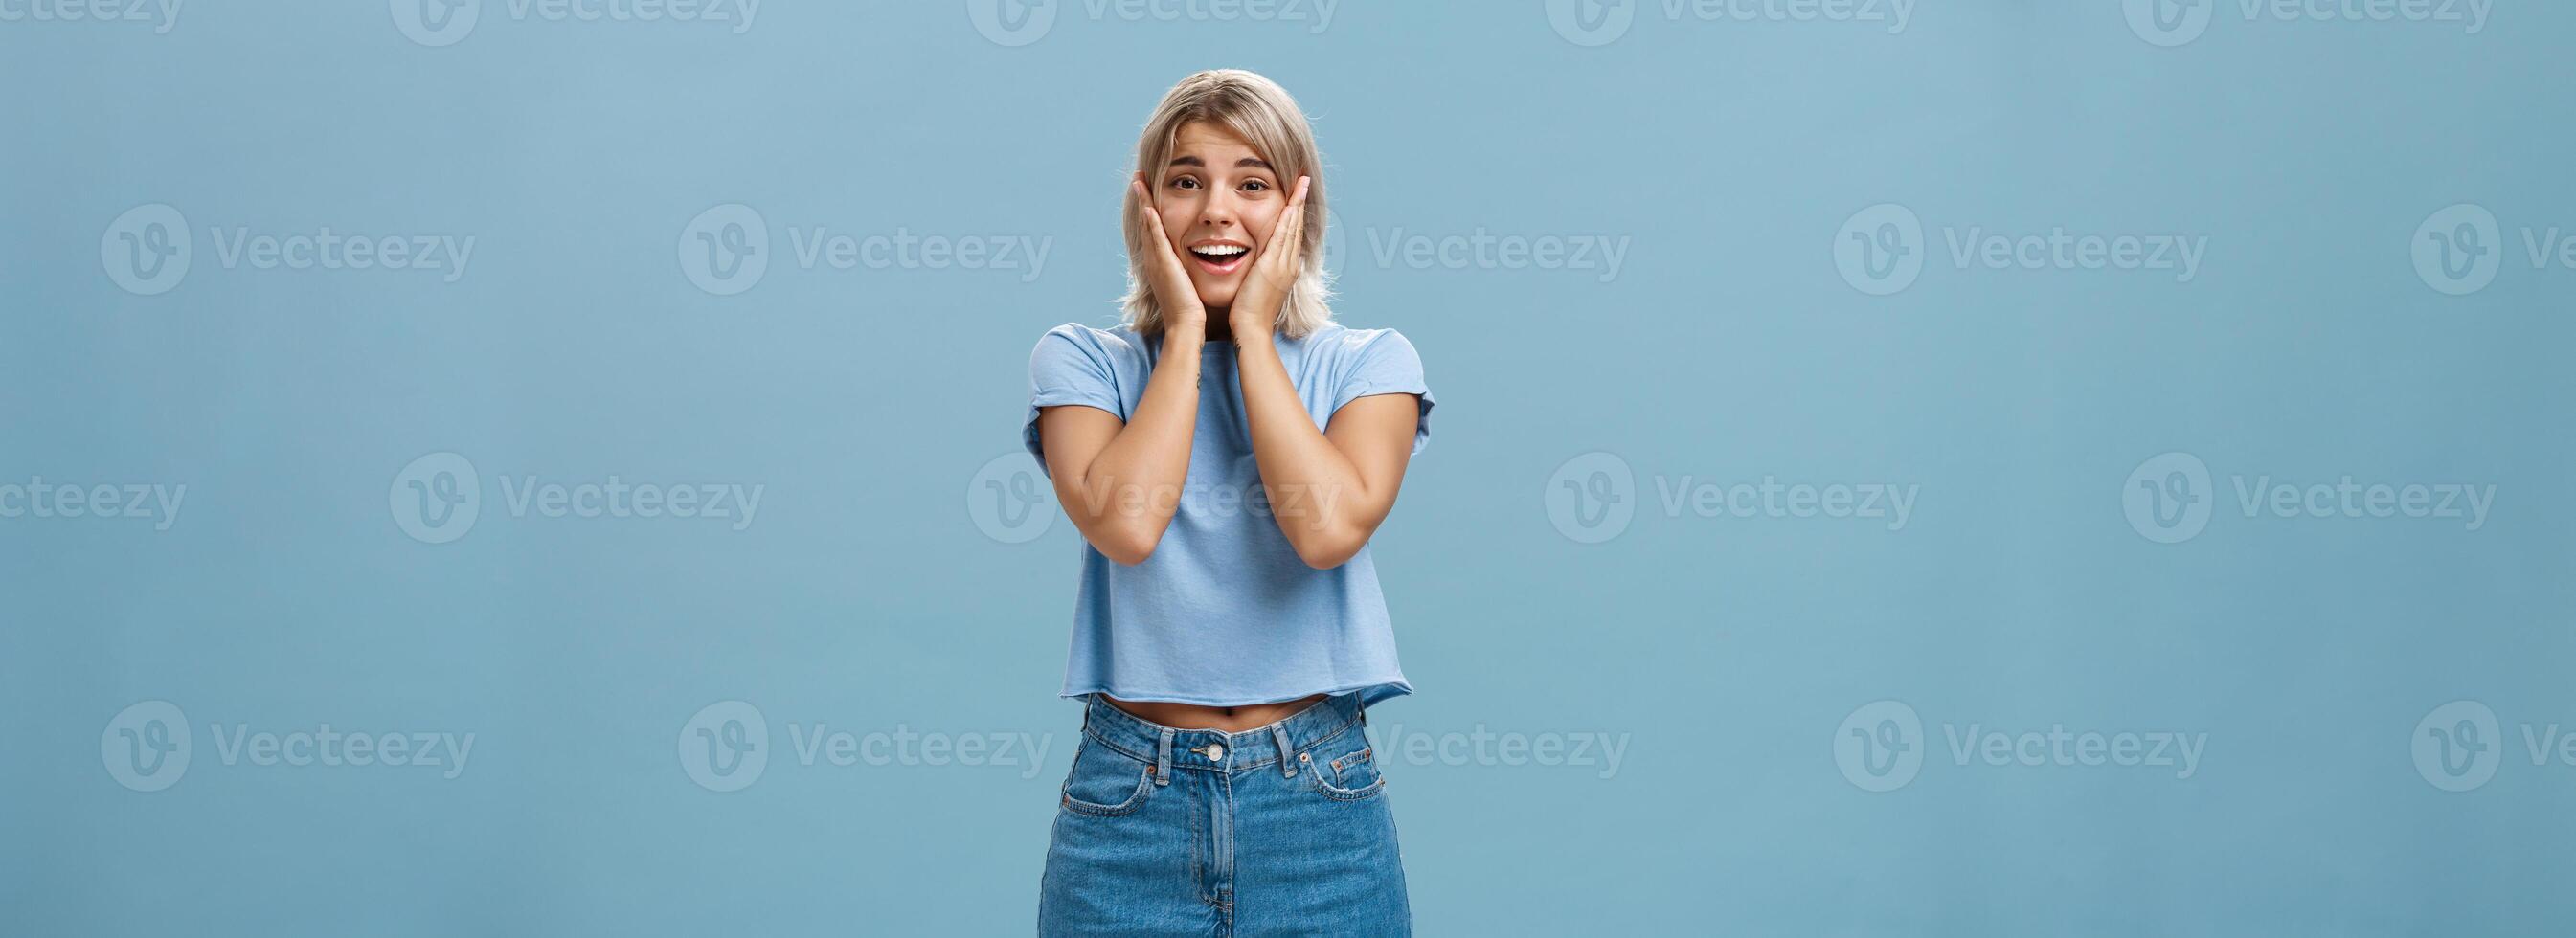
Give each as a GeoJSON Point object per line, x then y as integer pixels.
{"type": "Point", "coordinates": [1216, 752]}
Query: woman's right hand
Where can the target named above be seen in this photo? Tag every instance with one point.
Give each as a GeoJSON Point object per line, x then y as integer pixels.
{"type": "Point", "coordinates": [1164, 274]}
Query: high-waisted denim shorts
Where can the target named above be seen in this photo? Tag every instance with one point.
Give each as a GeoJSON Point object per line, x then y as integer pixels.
{"type": "Point", "coordinates": [1281, 830]}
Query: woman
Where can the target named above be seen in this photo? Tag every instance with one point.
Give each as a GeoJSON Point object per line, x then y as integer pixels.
{"type": "Point", "coordinates": [1226, 452]}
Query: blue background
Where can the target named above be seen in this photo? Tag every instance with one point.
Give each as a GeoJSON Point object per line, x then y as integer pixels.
{"type": "Point", "coordinates": [1725, 653]}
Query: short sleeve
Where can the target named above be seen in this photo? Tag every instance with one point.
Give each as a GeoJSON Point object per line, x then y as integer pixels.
{"type": "Point", "coordinates": [1387, 364]}
{"type": "Point", "coordinates": [1069, 366]}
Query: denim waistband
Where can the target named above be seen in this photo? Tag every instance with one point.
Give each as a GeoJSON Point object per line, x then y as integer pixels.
{"type": "Point", "coordinates": [1215, 750]}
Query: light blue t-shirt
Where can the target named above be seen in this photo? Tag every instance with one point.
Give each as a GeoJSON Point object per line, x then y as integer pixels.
{"type": "Point", "coordinates": [1223, 613]}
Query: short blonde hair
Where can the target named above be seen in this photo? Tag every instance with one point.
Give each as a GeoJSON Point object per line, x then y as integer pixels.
{"type": "Point", "coordinates": [1262, 113]}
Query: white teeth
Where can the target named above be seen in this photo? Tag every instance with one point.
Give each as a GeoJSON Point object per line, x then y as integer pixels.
{"type": "Point", "coordinates": [1219, 250]}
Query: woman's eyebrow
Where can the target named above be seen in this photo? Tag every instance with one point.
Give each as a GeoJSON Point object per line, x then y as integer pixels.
{"type": "Point", "coordinates": [1254, 162]}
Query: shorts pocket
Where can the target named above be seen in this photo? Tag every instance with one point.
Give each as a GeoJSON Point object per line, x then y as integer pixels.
{"type": "Point", "coordinates": [1351, 774]}
{"type": "Point", "coordinates": [1105, 782]}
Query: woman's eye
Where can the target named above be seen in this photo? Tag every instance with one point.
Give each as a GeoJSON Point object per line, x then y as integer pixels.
{"type": "Point", "coordinates": [1185, 182]}
{"type": "Point", "coordinates": [1255, 186]}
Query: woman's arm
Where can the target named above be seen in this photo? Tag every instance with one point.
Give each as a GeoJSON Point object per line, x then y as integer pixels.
{"type": "Point", "coordinates": [1120, 481]}
{"type": "Point", "coordinates": [1329, 489]}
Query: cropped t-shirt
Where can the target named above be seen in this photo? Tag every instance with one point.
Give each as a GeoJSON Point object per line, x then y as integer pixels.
{"type": "Point", "coordinates": [1223, 613]}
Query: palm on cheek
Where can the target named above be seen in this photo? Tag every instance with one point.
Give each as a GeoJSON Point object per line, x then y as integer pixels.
{"type": "Point", "coordinates": [1164, 274]}
{"type": "Point", "coordinates": [1274, 273]}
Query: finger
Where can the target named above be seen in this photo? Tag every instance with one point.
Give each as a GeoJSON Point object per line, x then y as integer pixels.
{"type": "Point", "coordinates": [1144, 201]}
{"type": "Point", "coordinates": [1153, 220]}
{"type": "Point", "coordinates": [1290, 233]}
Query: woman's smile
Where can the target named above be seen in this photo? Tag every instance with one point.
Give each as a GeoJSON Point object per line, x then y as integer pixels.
{"type": "Point", "coordinates": [1220, 256]}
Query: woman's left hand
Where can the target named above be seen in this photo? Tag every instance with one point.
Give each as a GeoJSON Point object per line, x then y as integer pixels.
{"type": "Point", "coordinates": [1274, 274]}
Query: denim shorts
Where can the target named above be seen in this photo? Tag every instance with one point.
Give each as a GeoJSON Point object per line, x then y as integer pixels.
{"type": "Point", "coordinates": [1280, 830]}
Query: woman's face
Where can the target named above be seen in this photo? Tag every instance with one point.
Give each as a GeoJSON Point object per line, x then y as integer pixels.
{"type": "Point", "coordinates": [1219, 201]}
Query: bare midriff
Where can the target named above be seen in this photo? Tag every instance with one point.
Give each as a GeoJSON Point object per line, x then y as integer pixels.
{"type": "Point", "coordinates": [1185, 716]}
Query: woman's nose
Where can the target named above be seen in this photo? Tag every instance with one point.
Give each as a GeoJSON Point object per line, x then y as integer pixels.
{"type": "Point", "coordinates": [1219, 212]}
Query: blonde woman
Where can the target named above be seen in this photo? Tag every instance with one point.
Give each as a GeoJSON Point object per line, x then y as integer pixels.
{"type": "Point", "coordinates": [1226, 452]}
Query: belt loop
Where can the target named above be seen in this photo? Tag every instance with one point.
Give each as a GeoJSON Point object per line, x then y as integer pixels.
{"type": "Point", "coordinates": [1163, 759]}
{"type": "Point", "coordinates": [1287, 753]}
